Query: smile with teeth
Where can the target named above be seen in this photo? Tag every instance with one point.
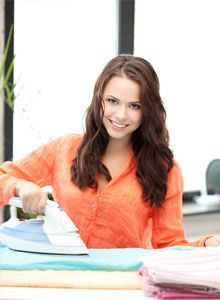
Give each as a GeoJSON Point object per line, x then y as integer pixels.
{"type": "Point", "coordinates": [118, 125]}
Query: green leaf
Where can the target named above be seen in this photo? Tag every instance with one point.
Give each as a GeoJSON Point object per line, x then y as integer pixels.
{"type": "Point", "coordinates": [7, 75]}
{"type": "Point", "coordinates": [6, 87]}
{"type": "Point", "coordinates": [22, 215]}
{"type": "Point", "coordinates": [9, 96]}
{"type": "Point", "coordinates": [9, 71]}
{"type": "Point", "coordinates": [2, 67]}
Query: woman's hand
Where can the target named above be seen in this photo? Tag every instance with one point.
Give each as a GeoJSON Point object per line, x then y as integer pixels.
{"type": "Point", "coordinates": [212, 241]}
{"type": "Point", "coordinates": [33, 197]}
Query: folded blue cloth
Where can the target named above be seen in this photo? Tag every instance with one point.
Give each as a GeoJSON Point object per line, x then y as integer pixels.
{"type": "Point", "coordinates": [128, 259]}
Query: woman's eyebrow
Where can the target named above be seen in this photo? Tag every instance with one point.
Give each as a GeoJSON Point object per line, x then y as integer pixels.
{"type": "Point", "coordinates": [130, 102]}
{"type": "Point", "coordinates": [110, 96]}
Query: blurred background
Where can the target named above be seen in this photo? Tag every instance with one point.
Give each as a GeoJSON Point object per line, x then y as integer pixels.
{"type": "Point", "coordinates": [61, 46]}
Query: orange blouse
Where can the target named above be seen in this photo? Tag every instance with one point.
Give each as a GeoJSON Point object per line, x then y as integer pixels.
{"type": "Point", "coordinates": [116, 216]}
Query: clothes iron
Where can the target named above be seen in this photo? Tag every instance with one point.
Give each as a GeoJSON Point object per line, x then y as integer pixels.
{"type": "Point", "coordinates": [54, 234]}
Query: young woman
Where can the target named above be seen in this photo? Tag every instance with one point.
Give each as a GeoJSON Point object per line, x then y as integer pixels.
{"type": "Point", "coordinates": [118, 181]}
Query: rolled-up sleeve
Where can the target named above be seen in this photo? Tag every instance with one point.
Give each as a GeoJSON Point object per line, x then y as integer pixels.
{"type": "Point", "coordinates": [36, 167]}
{"type": "Point", "coordinates": [168, 227]}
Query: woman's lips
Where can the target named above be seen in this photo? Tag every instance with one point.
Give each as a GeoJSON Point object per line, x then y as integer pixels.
{"type": "Point", "coordinates": [117, 125]}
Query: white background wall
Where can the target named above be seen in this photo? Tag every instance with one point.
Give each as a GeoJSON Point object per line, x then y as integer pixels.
{"type": "Point", "coordinates": [181, 40]}
{"type": "Point", "coordinates": [62, 45]}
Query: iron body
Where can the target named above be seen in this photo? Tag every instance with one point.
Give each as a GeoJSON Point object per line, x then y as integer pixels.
{"type": "Point", "coordinates": [55, 233]}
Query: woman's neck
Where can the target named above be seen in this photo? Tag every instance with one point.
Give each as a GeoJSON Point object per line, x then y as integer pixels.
{"type": "Point", "coordinates": [118, 146]}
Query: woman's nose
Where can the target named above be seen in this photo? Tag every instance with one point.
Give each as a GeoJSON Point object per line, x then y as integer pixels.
{"type": "Point", "coordinates": [121, 113]}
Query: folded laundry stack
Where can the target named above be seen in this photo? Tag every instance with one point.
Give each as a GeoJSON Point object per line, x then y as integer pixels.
{"type": "Point", "coordinates": [182, 273]}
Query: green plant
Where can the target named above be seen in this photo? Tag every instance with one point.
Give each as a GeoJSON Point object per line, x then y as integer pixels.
{"type": "Point", "coordinates": [21, 215]}
{"type": "Point", "coordinates": [7, 89]}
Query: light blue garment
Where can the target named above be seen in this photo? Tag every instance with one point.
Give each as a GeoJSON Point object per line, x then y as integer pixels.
{"type": "Point", "coordinates": [128, 259]}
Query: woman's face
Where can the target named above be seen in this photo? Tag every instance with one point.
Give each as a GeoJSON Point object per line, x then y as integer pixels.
{"type": "Point", "coordinates": [122, 107]}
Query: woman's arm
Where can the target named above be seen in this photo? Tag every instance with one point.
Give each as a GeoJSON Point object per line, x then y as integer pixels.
{"type": "Point", "coordinates": [25, 177]}
{"type": "Point", "coordinates": [168, 227]}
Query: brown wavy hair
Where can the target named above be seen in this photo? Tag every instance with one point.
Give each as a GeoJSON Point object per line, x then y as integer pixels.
{"type": "Point", "coordinates": [150, 141]}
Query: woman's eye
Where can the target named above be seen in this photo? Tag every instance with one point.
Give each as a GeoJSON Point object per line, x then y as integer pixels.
{"type": "Point", "coordinates": [112, 101]}
{"type": "Point", "coordinates": [135, 106]}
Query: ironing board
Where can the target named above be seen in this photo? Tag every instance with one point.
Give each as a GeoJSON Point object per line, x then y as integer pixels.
{"type": "Point", "coordinates": [101, 265]}
{"type": "Point", "coordinates": [104, 274]}
{"type": "Point", "coordinates": [116, 263]}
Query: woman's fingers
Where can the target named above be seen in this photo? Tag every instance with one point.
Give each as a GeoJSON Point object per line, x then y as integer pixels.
{"type": "Point", "coordinates": [212, 242]}
{"type": "Point", "coordinates": [42, 203]}
{"type": "Point", "coordinates": [33, 197]}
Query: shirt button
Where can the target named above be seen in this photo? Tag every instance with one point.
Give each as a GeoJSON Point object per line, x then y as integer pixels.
{"type": "Point", "coordinates": [150, 214]}
{"type": "Point", "coordinates": [93, 205]}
